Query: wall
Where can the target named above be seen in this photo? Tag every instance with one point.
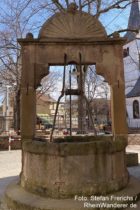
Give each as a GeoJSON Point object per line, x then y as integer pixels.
{"type": "Point", "coordinates": [4, 143]}
{"type": "Point", "coordinates": [131, 65]}
{"type": "Point", "coordinates": [132, 123]}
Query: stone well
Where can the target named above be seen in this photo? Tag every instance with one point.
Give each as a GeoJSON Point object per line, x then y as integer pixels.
{"type": "Point", "coordinates": [75, 166]}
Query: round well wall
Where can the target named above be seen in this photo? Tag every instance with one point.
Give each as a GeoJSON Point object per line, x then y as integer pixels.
{"type": "Point", "coordinates": [75, 166]}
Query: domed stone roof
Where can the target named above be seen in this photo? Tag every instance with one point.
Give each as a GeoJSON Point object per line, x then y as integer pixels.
{"type": "Point", "coordinates": [72, 24]}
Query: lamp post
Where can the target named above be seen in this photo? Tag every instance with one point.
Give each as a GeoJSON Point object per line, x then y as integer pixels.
{"type": "Point", "coordinates": [70, 104]}
{"type": "Point", "coordinates": [7, 109]}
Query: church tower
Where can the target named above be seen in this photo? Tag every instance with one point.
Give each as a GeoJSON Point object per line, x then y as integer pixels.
{"type": "Point", "coordinates": [134, 20]}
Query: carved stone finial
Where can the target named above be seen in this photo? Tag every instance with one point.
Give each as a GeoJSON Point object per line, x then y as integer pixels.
{"type": "Point", "coordinates": [116, 34]}
{"type": "Point", "coordinates": [72, 8]}
{"type": "Point", "coordinates": [29, 36]}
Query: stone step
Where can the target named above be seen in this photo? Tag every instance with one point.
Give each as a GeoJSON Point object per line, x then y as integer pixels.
{"type": "Point", "coordinates": [132, 159]}
{"type": "Point", "coordinates": [19, 199]}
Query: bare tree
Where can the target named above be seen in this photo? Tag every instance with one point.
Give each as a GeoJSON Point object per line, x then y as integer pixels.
{"type": "Point", "coordinates": [49, 84]}
{"type": "Point", "coordinates": [96, 7]}
{"type": "Point", "coordinates": [95, 84]}
{"type": "Point", "coordinates": [16, 19]}
{"type": "Point", "coordinates": [97, 90]}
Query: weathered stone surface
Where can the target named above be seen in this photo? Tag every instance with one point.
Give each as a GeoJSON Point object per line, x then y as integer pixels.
{"type": "Point", "coordinates": [77, 145]}
{"type": "Point", "coordinates": [75, 166]}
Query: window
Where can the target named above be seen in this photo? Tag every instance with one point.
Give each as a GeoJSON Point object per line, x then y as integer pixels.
{"type": "Point", "coordinates": [126, 52]}
{"type": "Point", "coordinates": [135, 109]}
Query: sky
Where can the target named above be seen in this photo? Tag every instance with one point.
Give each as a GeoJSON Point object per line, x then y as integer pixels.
{"type": "Point", "coordinates": [115, 20]}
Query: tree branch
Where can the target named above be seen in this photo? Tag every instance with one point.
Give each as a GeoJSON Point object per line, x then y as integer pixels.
{"type": "Point", "coordinates": [123, 30]}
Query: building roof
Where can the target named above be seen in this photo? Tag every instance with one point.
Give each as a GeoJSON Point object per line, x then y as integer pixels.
{"type": "Point", "coordinates": [135, 92]}
{"type": "Point", "coordinates": [134, 20]}
{"type": "Point", "coordinates": [45, 98]}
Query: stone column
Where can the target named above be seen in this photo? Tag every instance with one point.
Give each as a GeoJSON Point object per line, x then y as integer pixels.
{"type": "Point", "coordinates": [111, 68]}
{"type": "Point", "coordinates": [118, 109]}
{"type": "Point", "coordinates": [28, 112]}
{"type": "Point", "coordinates": [28, 94]}
{"type": "Point", "coordinates": [118, 106]}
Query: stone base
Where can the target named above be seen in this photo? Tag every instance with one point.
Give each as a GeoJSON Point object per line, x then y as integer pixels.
{"type": "Point", "coordinates": [132, 159]}
{"type": "Point", "coordinates": [19, 199]}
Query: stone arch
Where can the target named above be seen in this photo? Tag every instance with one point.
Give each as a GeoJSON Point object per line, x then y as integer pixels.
{"type": "Point", "coordinates": [70, 33]}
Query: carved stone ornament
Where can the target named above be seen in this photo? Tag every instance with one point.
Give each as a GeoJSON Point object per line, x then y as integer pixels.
{"type": "Point", "coordinates": [72, 24]}
{"type": "Point", "coordinates": [72, 8]}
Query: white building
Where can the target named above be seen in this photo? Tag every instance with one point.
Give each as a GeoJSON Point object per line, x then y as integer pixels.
{"type": "Point", "coordinates": [132, 67]}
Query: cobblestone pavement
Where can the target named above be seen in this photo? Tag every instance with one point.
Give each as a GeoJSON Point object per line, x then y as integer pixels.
{"type": "Point", "coordinates": [10, 167]}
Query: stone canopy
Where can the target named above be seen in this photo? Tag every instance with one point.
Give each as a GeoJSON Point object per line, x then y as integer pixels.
{"type": "Point", "coordinates": [72, 24]}
{"type": "Point", "coordinates": [70, 37]}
